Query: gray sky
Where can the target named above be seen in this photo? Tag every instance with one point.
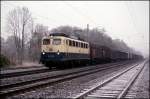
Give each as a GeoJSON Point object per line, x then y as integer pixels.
{"type": "Point", "coordinates": [126, 20]}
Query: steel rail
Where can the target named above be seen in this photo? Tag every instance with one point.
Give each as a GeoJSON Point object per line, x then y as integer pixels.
{"type": "Point", "coordinates": [84, 94]}
{"type": "Point", "coordinates": [123, 93]}
{"type": "Point", "coordinates": [43, 83]}
{"type": "Point", "coordinates": [50, 77]}
{"type": "Point", "coordinates": [27, 72]}
{"type": "Point", "coordinates": [21, 73]}
{"type": "Point", "coordinates": [24, 67]}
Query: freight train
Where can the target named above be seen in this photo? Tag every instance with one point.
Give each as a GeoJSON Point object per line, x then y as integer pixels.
{"type": "Point", "coordinates": [59, 48]}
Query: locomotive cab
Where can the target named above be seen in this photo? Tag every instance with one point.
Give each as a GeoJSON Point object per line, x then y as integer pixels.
{"type": "Point", "coordinates": [51, 44]}
{"type": "Point", "coordinates": [52, 49]}
{"type": "Point", "coordinates": [62, 49]}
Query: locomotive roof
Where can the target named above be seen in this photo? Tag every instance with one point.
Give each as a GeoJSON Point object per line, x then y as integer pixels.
{"type": "Point", "coordinates": [65, 35]}
{"type": "Point", "coordinates": [59, 34]}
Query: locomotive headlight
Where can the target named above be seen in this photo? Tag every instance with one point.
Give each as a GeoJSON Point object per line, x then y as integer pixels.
{"type": "Point", "coordinates": [58, 52]}
{"type": "Point", "coordinates": [43, 53]}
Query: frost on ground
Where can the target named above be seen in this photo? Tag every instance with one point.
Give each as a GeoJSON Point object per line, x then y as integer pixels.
{"type": "Point", "coordinates": [28, 64]}
{"type": "Point", "coordinates": [143, 86]}
{"type": "Point", "coordinates": [31, 64]}
{"type": "Point", "coordinates": [140, 89]}
{"type": "Point", "coordinates": [23, 65]}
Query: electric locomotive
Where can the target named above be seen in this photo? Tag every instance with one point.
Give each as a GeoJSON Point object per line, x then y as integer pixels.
{"type": "Point", "coordinates": [59, 48]}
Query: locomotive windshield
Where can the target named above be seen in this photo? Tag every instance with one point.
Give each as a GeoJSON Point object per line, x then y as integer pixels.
{"type": "Point", "coordinates": [46, 41]}
{"type": "Point", "coordinates": [56, 41]}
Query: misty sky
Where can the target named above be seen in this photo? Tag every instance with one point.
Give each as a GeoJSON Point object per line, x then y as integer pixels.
{"type": "Point", "coordinates": [126, 20]}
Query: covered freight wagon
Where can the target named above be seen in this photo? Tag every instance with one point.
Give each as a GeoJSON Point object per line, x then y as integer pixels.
{"type": "Point", "coordinates": [99, 54]}
{"type": "Point", "coordinates": [118, 55]}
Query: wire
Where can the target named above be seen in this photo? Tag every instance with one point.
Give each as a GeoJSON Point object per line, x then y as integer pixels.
{"type": "Point", "coordinates": [131, 17]}
{"type": "Point", "coordinates": [79, 12]}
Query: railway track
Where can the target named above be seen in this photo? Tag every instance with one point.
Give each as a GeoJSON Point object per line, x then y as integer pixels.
{"type": "Point", "coordinates": [21, 71]}
{"type": "Point", "coordinates": [23, 67]}
{"type": "Point", "coordinates": [16, 88]}
{"type": "Point", "coordinates": [14, 72]}
{"type": "Point", "coordinates": [114, 87]}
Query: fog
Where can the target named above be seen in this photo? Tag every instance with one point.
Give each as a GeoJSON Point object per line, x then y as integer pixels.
{"type": "Point", "coordinates": [125, 20]}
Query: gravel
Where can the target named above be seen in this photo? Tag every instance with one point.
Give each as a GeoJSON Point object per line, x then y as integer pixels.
{"type": "Point", "coordinates": [69, 88]}
{"type": "Point", "coordinates": [141, 86]}
{"type": "Point", "coordinates": [22, 69]}
{"type": "Point", "coordinates": [24, 78]}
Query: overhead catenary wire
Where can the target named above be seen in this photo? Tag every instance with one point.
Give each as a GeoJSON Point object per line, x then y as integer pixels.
{"type": "Point", "coordinates": [79, 12]}
{"type": "Point", "coordinates": [132, 19]}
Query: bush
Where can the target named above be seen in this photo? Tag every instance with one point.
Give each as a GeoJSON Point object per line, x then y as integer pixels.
{"type": "Point", "coordinates": [4, 61]}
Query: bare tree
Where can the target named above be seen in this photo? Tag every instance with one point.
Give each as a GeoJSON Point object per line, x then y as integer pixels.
{"type": "Point", "coordinates": [26, 16]}
{"type": "Point", "coordinates": [35, 41]}
{"type": "Point", "coordinates": [11, 49]}
{"type": "Point", "coordinates": [18, 19]}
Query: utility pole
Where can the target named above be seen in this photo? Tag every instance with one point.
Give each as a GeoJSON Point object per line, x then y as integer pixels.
{"type": "Point", "coordinates": [87, 32]}
{"type": "Point", "coordinates": [0, 44]}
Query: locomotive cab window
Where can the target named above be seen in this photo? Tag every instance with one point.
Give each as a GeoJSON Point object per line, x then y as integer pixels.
{"type": "Point", "coordinates": [73, 43]}
{"type": "Point", "coordinates": [85, 45]}
{"type": "Point", "coordinates": [77, 43]}
{"type": "Point", "coordinates": [70, 43]}
{"type": "Point", "coordinates": [56, 41]}
{"type": "Point", "coordinates": [46, 41]}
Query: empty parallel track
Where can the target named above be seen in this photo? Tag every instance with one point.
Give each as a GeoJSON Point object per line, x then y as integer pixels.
{"type": "Point", "coordinates": [24, 72]}
{"type": "Point", "coordinates": [113, 87]}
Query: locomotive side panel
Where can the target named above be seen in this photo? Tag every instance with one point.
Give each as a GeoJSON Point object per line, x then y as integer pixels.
{"type": "Point", "coordinates": [77, 48]}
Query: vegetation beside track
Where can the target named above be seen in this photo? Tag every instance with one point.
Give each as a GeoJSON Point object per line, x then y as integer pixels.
{"type": "Point", "coordinates": [4, 61]}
